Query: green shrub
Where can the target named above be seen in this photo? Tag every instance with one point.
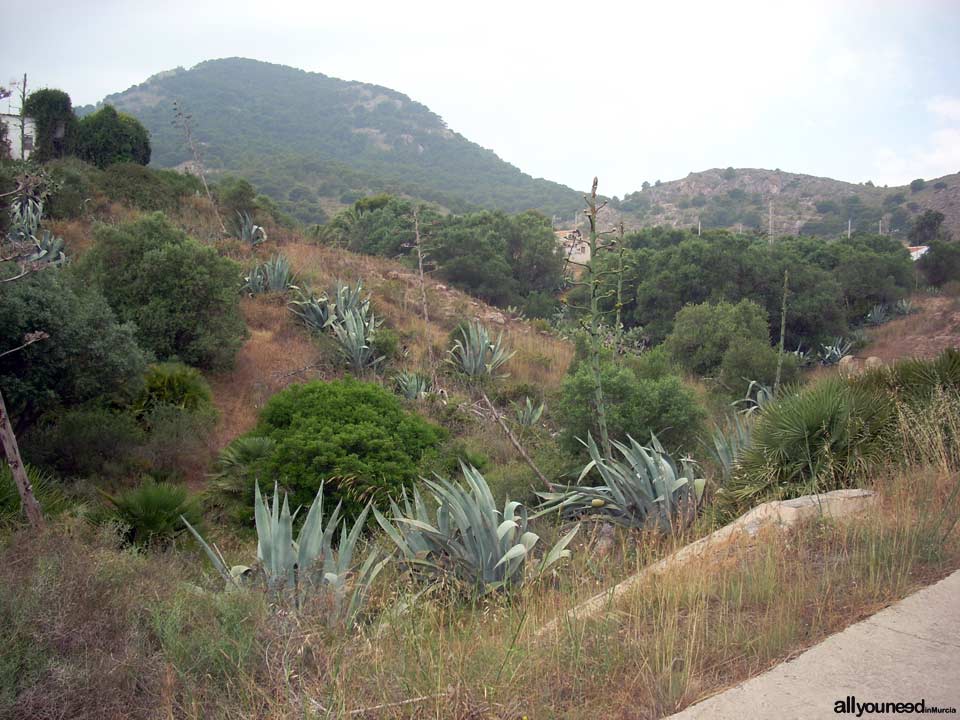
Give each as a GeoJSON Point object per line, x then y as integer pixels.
{"type": "Point", "coordinates": [754, 360]}
{"type": "Point", "coordinates": [818, 439]}
{"type": "Point", "coordinates": [106, 137]}
{"type": "Point", "coordinates": [77, 183]}
{"type": "Point", "coordinates": [702, 333]}
{"type": "Point", "coordinates": [635, 406]}
{"type": "Point", "coordinates": [88, 354]}
{"type": "Point", "coordinates": [355, 436]}
{"type": "Point", "coordinates": [145, 188]}
{"type": "Point", "coordinates": [386, 344]}
{"type": "Point", "coordinates": [151, 512]}
{"type": "Point", "coordinates": [86, 442]}
{"type": "Point", "coordinates": [181, 295]}
{"type": "Point", "coordinates": [173, 384]}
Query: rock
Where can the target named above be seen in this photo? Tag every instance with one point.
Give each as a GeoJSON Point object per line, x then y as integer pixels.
{"type": "Point", "coordinates": [872, 362]}
{"type": "Point", "coordinates": [848, 366]}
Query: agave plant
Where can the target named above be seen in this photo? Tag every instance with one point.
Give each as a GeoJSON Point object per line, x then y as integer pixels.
{"type": "Point", "coordinates": [756, 398]}
{"type": "Point", "coordinates": [412, 386]}
{"type": "Point", "coordinates": [470, 539]}
{"type": "Point", "coordinates": [878, 315]}
{"type": "Point", "coordinates": [316, 312]}
{"type": "Point", "coordinates": [905, 306]}
{"type": "Point", "coordinates": [347, 300]}
{"type": "Point", "coordinates": [308, 566]}
{"type": "Point", "coordinates": [475, 355]}
{"type": "Point", "coordinates": [835, 352]}
{"type": "Point", "coordinates": [527, 414]}
{"type": "Point", "coordinates": [250, 232]}
{"type": "Point", "coordinates": [729, 442]}
{"type": "Point", "coordinates": [804, 358]}
{"type": "Point", "coordinates": [273, 276]}
{"type": "Point", "coordinates": [25, 217]}
{"type": "Point", "coordinates": [646, 489]}
{"type": "Point", "coordinates": [355, 334]}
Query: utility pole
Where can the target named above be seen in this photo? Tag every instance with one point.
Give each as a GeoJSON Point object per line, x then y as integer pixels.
{"type": "Point", "coordinates": [880, 226]}
{"type": "Point", "coordinates": [770, 230]}
{"type": "Point", "coordinates": [23, 117]}
{"type": "Point", "coordinates": [698, 227]}
{"type": "Point", "coordinates": [849, 227]}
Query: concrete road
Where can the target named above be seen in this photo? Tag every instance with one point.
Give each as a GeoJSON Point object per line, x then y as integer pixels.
{"type": "Point", "coordinates": [906, 653]}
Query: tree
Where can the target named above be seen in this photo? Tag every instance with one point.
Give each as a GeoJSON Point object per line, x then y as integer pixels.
{"type": "Point", "coordinates": [56, 124]}
{"type": "Point", "coordinates": [941, 263]}
{"type": "Point", "coordinates": [926, 228]}
{"type": "Point", "coordinates": [918, 185]}
{"type": "Point", "coordinates": [181, 294]}
{"type": "Point", "coordinates": [106, 137]}
{"type": "Point", "coordinates": [703, 333]}
{"type": "Point", "coordinates": [87, 353]}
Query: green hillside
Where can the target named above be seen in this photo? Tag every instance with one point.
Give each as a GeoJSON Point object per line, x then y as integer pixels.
{"type": "Point", "coordinates": [314, 142]}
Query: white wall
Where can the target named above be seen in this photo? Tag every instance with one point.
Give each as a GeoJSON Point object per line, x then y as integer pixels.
{"type": "Point", "coordinates": [13, 135]}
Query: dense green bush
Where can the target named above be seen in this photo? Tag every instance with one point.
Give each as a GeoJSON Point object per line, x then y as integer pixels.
{"type": "Point", "coordinates": [174, 384]}
{"type": "Point", "coordinates": [354, 436]}
{"type": "Point", "coordinates": [702, 333]}
{"type": "Point", "coordinates": [754, 360]}
{"type": "Point", "coordinates": [821, 438]}
{"type": "Point", "coordinates": [941, 264]}
{"type": "Point", "coordinates": [635, 406]}
{"type": "Point", "coordinates": [106, 137]}
{"type": "Point", "coordinates": [181, 295]}
{"type": "Point", "coordinates": [88, 354]}
{"type": "Point", "coordinates": [151, 513]}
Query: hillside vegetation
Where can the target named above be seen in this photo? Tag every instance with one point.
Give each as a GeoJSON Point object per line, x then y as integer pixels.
{"type": "Point", "coordinates": [741, 199]}
{"type": "Point", "coordinates": [313, 142]}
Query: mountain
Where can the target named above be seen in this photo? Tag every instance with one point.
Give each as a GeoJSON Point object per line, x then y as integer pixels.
{"type": "Point", "coordinates": [315, 143]}
{"type": "Point", "coordinates": [743, 198]}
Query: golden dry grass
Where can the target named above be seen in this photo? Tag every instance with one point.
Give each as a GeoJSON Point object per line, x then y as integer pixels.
{"type": "Point", "coordinates": [924, 335]}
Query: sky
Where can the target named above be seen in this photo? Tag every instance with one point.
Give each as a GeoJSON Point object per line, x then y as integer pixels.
{"type": "Point", "coordinates": [632, 91]}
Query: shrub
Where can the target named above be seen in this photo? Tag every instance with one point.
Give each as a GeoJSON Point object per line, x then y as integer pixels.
{"type": "Point", "coordinates": [85, 442]}
{"type": "Point", "coordinates": [77, 181]}
{"type": "Point", "coordinates": [821, 438]}
{"type": "Point", "coordinates": [176, 385]}
{"type": "Point", "coordinates": [151, 513]}
{"type": "Point", "coordinates": [356, 436]}
{"type": "Point", "coordinates": [107, 137]}
{"type": "Point", "coordinates": [145, 188]}
{"type": "Point", "coordinates": [754, 360]}
{"type": "Point", "coordinates": [181, 295]}
{"type": "Point", "coordinates": [177, 442]}
{"type": "Point", "coordinates": [88, 354]}
{"type": "Point", "coordinates": [635, 406]}
{"type": "Point", "coordinates": [702, 333]}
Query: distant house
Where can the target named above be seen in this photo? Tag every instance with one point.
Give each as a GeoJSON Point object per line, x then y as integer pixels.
{"type": "Point", "coordinates": [917, 251]}
{"type": "Point", "coordinates": [574, 246]}
{"type": "Point", "coordinates": [13, 135]}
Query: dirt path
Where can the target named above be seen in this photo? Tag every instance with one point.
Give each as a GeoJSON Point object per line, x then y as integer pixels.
{"type": "Point", "coordinates": [903, 654]}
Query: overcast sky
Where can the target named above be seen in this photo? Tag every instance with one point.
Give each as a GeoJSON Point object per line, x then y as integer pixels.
{"type": "Point", "coordinates": [628, 91]}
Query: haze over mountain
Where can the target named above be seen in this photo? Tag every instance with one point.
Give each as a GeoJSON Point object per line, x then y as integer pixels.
{"type": "Point", "coordinates": [316, 143]}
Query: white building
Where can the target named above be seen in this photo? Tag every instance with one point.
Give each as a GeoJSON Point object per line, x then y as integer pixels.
{"type": "Point", "coordinates": [575, 247]}
{"type": "Point", "coordinates": [13, 135]}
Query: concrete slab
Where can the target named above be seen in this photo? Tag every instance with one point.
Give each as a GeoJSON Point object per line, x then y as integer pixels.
{"type": "Point", "coordinates": [906, 653]}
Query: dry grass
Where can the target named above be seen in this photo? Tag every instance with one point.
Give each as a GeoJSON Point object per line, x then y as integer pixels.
{"type": "Point", "coordinates": [924, 335]}
{"type": "Point", "coordinates": [277, 352]}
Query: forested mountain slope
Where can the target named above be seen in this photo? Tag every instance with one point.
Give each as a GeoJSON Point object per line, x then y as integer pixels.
{"type": "Point", "coordinates": [314, 142]}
